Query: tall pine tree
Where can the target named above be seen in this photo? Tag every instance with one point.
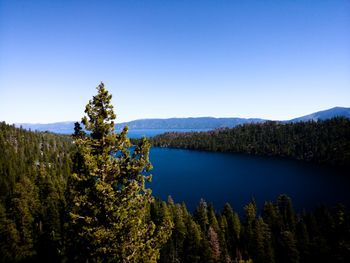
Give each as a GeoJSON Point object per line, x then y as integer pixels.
{"type": "Point", "coordinates": [109, 203]}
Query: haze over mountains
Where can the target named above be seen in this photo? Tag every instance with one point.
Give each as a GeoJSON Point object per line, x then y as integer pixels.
{"type": "Point", "coordinates": [187, 123]}
{"type": "Point", "coordinates": [325, 114]}
{"type": "Point", "coordinates": [195, 123]}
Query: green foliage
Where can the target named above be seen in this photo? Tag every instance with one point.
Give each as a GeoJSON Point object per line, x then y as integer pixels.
{"type": "Point", "coordinates": [267, 238]}
{"type": "Point", "coordinates": [262, 246]}
{"type": "Point", "coordinates": [201, 215]}
{"type": "Point", "coordinates": [34, 168]}
{"type": "Point", "coordinates": [286, 212]}
{"type": "Point", "coordinates": [325, 141]}
{"type": "Point", "coordinates": [214, 244]}
{"type": "Point", "coordinates": [87, 201]}
{"type": "Point", "coordinates": [288, 249]}
{"type": "Point", "coordinates": [109, 203]}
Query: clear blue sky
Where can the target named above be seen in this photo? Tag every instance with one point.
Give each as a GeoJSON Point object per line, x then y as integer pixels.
{"type": "Point", "coordinates": [271, 59]}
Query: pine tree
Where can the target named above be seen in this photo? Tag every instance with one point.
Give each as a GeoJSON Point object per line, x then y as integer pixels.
{"type": "Point", "coordinates": [214, 244]}
{"type": "Point", "coordinates": [9, 239]}
{"type": "Point", "coordinates": [25, 206]}
{"type": "Point", "coordinates": [192, 244]}
{"type": "Point", "coordinates": [201, 216]}
{"type": "Point", "coordinates": [236, 227]}
{"type": "Point", "coordinates": [109, 203]}
{"type": "Point", "coordinates": [284, 204]}
{"type": "Point", "coordinates": [229, 233]}
{"type": "Point", "coordinates": [262, 246]}
{"type": "Point", "coordinates": [250, 211]}
{"type": "Point", "coordinates": [213, 222]}
{"type": "Point", "coordinates": [289, 251]}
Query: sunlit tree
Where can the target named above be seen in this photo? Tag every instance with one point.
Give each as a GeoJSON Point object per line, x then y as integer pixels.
{"type": "Point", "coordinates": [109, 203]}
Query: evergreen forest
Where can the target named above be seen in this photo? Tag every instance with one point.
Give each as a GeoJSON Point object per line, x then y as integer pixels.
{"type": "Point", "coordinates": [324, 141]}
{"type": "Point", "coordinates": [84, 198]}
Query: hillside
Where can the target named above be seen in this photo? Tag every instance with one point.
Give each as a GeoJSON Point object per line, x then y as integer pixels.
{"type": "Point", "coordinates": [194, 123]}
{"type": "Point", "coordinates": [34, 172]}
{"type": "Point", "coordinates": [326, 141]}
{"type": "Point", "coordinates": [325, 114]}
{"type": "Point", "coordinates": [187, 123]}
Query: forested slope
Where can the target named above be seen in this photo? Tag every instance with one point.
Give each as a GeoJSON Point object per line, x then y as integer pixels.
{"type": "Point", "coordinates": [275, 233]}
{"type": "Point", "coordinates": [325, 141]}
{"type": "Point", "coordinates": [34, 168]}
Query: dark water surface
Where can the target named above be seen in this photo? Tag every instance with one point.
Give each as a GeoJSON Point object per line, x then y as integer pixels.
{"type": "Point", "coordinates": [222, 177]}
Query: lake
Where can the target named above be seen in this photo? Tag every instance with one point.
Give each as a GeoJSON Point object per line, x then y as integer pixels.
{"type": "Point", "coordinates": [189, 175]}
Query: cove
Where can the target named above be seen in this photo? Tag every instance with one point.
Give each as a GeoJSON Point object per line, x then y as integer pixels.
{"type": "Point", "coordinates": [189, 175]}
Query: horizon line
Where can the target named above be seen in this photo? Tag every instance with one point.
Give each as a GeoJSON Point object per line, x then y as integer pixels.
{"type": "Point", "coordinates": [188, 117]}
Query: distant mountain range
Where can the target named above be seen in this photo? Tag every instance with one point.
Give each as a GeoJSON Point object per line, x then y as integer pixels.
{"type": "Point", "coordinates": [199, 123]}
{"type": "Point", "coordinates": [66, 127]}
{"type": "Point", "coordinates": [186, 123]}
{"type": "Point", "coordinates": [325, 114]}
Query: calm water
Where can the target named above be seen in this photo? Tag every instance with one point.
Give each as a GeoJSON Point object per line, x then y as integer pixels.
{"type": "Point", "coordinates": [220, 177]}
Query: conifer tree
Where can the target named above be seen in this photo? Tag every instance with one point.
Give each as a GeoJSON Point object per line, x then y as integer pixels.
{"type": "Point", "coordinates": [192, 244]}
{"type": "Point", "coordinates": [284, 204]}
{"type": "Point", "coordinates": [236, 227]}
{"type": "Point", "coordinates": [289, 252]}
{"type": "Point", "coordinates": [214, 244]}
{"type": "Point", "coordinates": [262, 246]}
{"type": "Point", "coordinates": [212, 218]}
{"type": "Point", "coordinates": [109, 203]}
{"type": "Point", "coordinates": [250, 217]}
{"type": "Point", "coordinates": [201, 215]}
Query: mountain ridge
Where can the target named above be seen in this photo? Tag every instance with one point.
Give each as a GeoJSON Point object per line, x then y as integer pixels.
{"type": "Point", "coordinates": [187, 123]}
{"type": "Point", "coordinates": [324, 114]}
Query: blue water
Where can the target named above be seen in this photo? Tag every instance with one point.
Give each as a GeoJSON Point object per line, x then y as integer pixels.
{"type": "Point", "coordinates": [235, 178]}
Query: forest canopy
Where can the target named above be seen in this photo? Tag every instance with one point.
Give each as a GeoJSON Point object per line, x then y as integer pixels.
{"type": "Point", "coordinates": [83, 198]}
{"type": "Point", "coordinates": [324, 141]}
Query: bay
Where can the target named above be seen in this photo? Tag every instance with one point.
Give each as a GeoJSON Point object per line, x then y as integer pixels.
{"type": "Point", "coordinates": [189, 175]}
